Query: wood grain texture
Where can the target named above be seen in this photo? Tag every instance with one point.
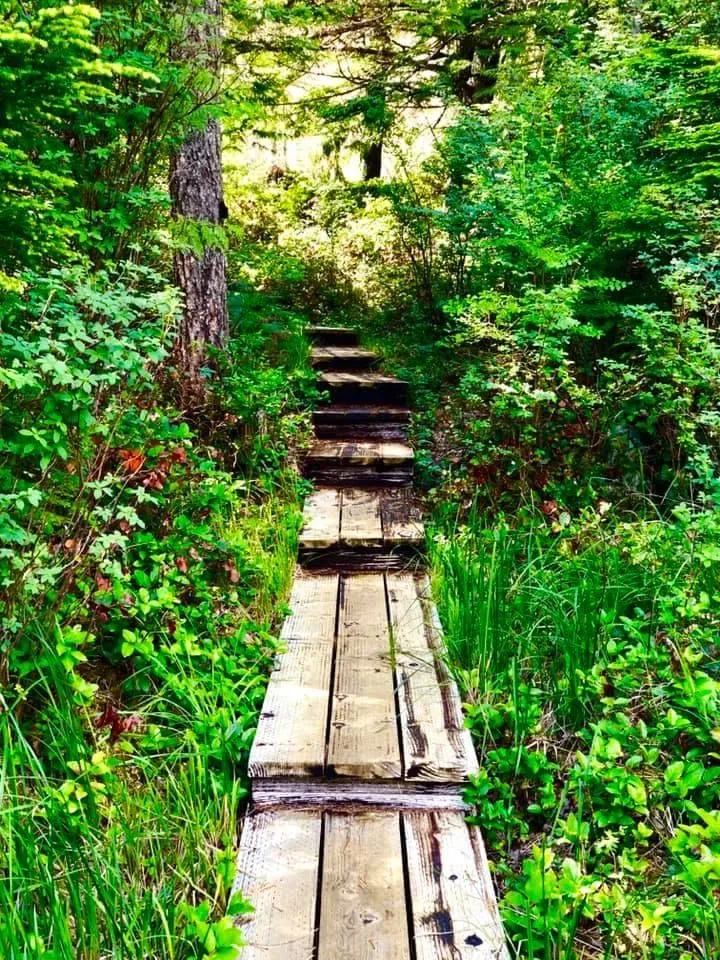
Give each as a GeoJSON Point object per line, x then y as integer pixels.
{"type": "Point", "coordinates": [363, 913]}
{"type": "Point", "coordinates": [397, 794]}
{"type": "Point", "coordinates": [361, 413]}
{"type": "Point", "coordinates": [363, 739]}
{"type": "Point", "coordinates": [452, 704]}
{"type": "Point", "coordinates": [454, 912]}
{"type": "Point", "coordinates": [290, 738]}
{"type": "Point", "coordinates": [436, 744]}
{"type": "Point", "coordinates": [401, 518]}
{"type": "Point", "coordinates": [321, 516]}
{"type": "Point", "coordinates": [340, 378]}
{"type": "Point", "coordinates": [278, 872]}
{"type": "Point", "coordinates": [342, 358]}
{"type": "Point", "coordinates": [361, 524]}
{"type": "Point", "coordinates": [361, 452]}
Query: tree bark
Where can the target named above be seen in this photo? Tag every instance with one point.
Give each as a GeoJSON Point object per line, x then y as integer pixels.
{"type": "Point", "coordinates": [197, 197]}
{"type": "Point", "coordinates": [372, 161]}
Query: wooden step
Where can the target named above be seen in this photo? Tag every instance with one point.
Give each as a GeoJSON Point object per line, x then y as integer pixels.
{"type": "Point", "coordinates": [361, 422]}
{"type": "Point", "coordinates": [358, 388]}
{"type": "Point", "coordinates": [360, 462]}
{"type": "Point", "coordinates": [380, 885]}
{"type": "Point", "coordinates": [332, 336]}
{"type": "Point", "coordinates": [361, 696]}
{"type": "Point", "coordinates": [360, 529]}
{"type": "Point", "coordinates": [342, 358]}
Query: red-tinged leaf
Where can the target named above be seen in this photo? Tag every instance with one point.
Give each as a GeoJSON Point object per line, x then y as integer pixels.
{"type": "Point", "coordinates": [132, 460]}
{"type": "Point", "coordinates": [182, 564]}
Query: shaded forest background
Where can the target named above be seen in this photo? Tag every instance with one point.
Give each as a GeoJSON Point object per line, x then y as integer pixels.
{"type": "Point", "coordinates": [547, 277]}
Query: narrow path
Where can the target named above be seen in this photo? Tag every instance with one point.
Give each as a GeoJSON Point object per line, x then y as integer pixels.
{"type": "Point", "coordinates": [356, 845]}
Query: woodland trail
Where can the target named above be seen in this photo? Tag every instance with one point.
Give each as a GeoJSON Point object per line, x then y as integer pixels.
{"type": "Point", "coordinates": [356, 844]}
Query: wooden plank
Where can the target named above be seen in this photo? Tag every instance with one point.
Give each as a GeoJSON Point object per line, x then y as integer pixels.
{"type": "Point", "coordinates": [290, 738]}
{"type": "Point", "coordinates": [436, 744]}
{"type": "Point", "coordinates": [401, 518]}
{"type": "Point", "coordinates": [354, 794]}
{"type": "Point", "coordinates": [454, 911]}
{"type": "Point", "coordinates": [313, 609]}
{"type": "Point", "coordinates": [361, 524]}
{"type": "Point", "coordinates": [363, 729]}
{"type": "Point", "coordinates": [278, 872]}
{"type": "Point", "coordinates": [452, 704]}
{"type": "Point", "coordinates": [363, 913]}
{"type": "Point", "coordinates": [321, 515]}
{"type": "Point", "coordinates": [359, 451]}
{"type": "Point", "coordinates": [321, 354]}
{"type": "Point", "coordinates": [361, 413]}
{"type": "Point", "coordinates": [338, 378]}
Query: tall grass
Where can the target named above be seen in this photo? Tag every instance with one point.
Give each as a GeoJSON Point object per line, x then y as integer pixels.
{"type": "Point", "coordinates": [105, 848]}
{"type": "Point", "coordinates": [523, 603]}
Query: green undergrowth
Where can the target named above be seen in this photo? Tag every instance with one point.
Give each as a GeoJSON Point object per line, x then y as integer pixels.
{"type": "Point", "coordinates": [146, 557]}
{"type": "Point", "coordinates": [587, 652]}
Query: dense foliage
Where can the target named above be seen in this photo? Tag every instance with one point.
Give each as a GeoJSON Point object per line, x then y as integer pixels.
{"type": "Point", "coordinates": [546, 273]}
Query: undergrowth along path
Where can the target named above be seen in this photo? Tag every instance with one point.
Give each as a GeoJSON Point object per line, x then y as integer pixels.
{"type": "Point", "coordinates": [356, 844]}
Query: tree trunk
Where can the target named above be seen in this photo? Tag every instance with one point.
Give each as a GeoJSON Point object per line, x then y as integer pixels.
{"type": "Point", "coordinates": [475, 83]}
{"type": "Point", "coordinates": [372, 161]}
{"type": "Point", "coordinates": [197, 197]}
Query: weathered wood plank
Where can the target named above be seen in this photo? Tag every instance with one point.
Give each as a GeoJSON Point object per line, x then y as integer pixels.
{"type": "Point", "coordinates": [376, 474]}
{"type": "Point", "coordinates": [361, 452]}
{"type": "Point", "coordinates": [290, 739]}
{"type": "Point", "coordinates": [332, 336]}
{"type": "Point", "coordinates": [278, 866]}
{"type": "Point", "coordinates": [452, 704]}
{"type": "Point", "coordinates": [396, 794]}
{"type": "Point", "coordinates": [361, 413]}
{"type": "Point", "coordinates": [351, 388]}
{"type": "Point", "coordinates": [321, 515]}
{"type": "Point", "coordinates": [435, 742]}
{"type": "Point", "coordinates": [342, 377]}
{"type": "Point", "coordinates": [361, 524]}
{"type": "Point", "coordinates": [363, 913]}
{"type": "Point", "coordinates": [401, 518]}
{"type": "Point", "coordinates": [363, 728]}
{"type": "Point", "coordinates": [313, 609]}
{"type": "Point", "coordinates": [454, 913]}
{"type": "Point", "coordinates": [342, 358]}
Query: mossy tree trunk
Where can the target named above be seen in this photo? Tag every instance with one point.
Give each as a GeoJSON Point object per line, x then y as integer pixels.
{"type": "Point", "coordinates": [197, 196]}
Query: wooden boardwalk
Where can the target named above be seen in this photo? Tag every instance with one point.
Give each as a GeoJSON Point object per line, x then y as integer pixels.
{"type": "Point", "coordinates": [356, 845]}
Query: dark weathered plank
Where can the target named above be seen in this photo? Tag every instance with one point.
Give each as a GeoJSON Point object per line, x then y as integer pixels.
{"type": "Point", "coordinates": [401, 518]}
{"type": "Point", "coordinates": [361, 524]}
{"type": "Point", "coordinates": [360, 452]}
{"type": "Point", "coordinates": [395, 794]}
{"type": "Point", "coordinates": [342, 358]}
{"type": "Point", "coordinates": [332, 336]}
{"type": "Point", "coordinates": [361, 413]}
{"type": "Point", "coordinates": [453, 907]}
{"type": "Point", "coordinates": [375, 388]}
{"type": "Point", "coordinates": [437, 746]}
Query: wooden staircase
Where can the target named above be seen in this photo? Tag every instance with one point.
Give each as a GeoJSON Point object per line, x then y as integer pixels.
{"type": "Point", "coordinates": [356, 845]}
